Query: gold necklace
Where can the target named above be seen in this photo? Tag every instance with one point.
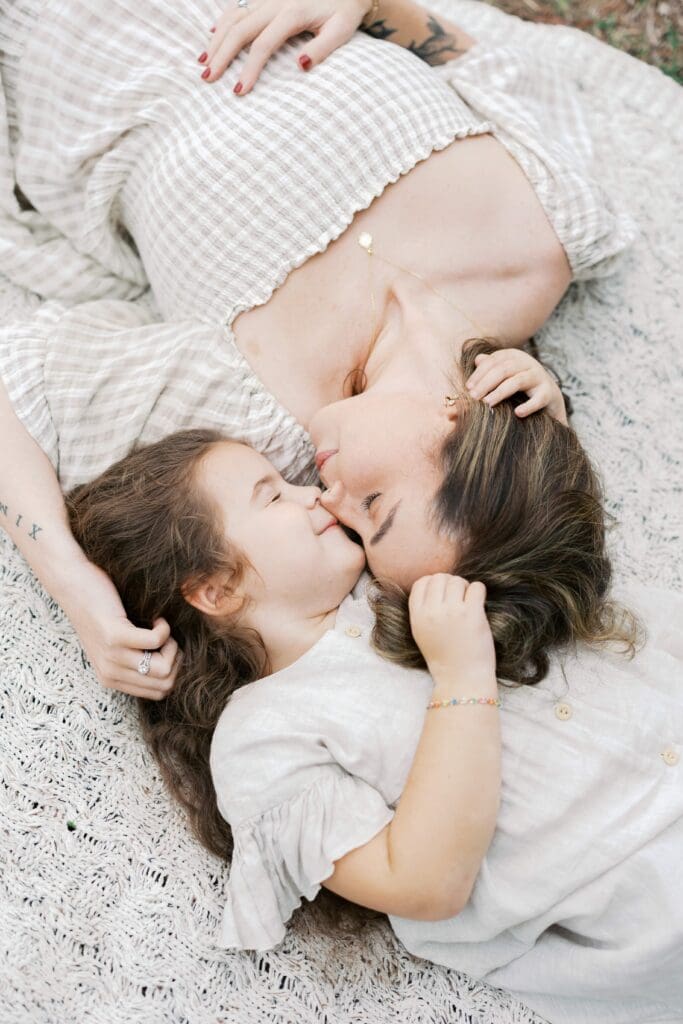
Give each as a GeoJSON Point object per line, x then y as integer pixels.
{"type": "Point", "coordinates": [365, 241]}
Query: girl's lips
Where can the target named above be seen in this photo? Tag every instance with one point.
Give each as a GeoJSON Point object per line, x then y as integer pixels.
{"type": "Point", "coordinates": [322, 457]}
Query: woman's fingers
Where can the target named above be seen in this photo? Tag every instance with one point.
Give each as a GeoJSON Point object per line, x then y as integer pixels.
{"type": "Point", "coordinates": [238, 35]}
{"type": "Point", "coordinates": [267, 27]}
{"type": "Point", "coordinates": [149, 639]}
{"type": "Point", "coordinates": [273, 36]}
{"type": "Point", "coordinates": [336, 31]}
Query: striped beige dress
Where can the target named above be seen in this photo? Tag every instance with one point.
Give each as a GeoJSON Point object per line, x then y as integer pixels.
{"type": "Point", "coordinates": [141, 177]}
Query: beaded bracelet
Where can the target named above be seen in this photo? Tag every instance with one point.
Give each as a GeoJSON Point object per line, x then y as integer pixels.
{"type": "Point", "coordinates": [371, 16]}
{"type": "Point", "coordinates": [464, 700]}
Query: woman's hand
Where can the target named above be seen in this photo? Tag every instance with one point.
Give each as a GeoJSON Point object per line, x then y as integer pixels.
{"type": "Point", "coordinates": [450, 627]}
{"type": "Point", "coordinates": [268, 24]}
{"type": "Point", "coordinates": [113, 644]}
{"type": "Point", "coordinates": [501, 374]}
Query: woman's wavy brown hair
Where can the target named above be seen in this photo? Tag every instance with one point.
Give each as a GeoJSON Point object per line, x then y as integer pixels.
{"type": "Point", "coordinates": [148, 524]}
{"type": "Point", "coordinates": [524, 507]}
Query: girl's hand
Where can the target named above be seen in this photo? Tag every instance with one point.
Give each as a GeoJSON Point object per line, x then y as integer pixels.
{"type": "Point", "coordinates": [114, 645]}
{"type": "Point", "coordinates": [268, 24]}
{"type": "Point", "coordinates": [450, 627]}
{"type": "Point", "coordinates": [503, 373]}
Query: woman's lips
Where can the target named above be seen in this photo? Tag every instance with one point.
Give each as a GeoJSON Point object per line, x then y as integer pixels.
{"type": "Point", "coordinates": [322, 457]}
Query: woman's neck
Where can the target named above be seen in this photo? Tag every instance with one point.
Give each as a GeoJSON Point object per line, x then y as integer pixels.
{"type": "Point", "coordinates": [419, 340]}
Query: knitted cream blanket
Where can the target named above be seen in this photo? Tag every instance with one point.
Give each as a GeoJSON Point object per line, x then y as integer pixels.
{"type": "Point", "coordinates": [113, 920]}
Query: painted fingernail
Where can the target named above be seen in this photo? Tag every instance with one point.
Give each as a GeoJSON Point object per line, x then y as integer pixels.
{"type": "Point", "coordinates": [305, 62]}
{"type": "Point", "coordinates": [212, 29]}
{"type": "Point", "coordinates": [202, 57]}
{"type": "Point", "coordinates": [206, 73]}
{"type": "Point", "coordinates": [238, 88]}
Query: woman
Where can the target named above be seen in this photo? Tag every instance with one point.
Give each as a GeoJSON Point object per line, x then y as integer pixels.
{"type": "Point", "coordinates": [238, 207]}
{"type": "Point", "coordinates": [318, 757]}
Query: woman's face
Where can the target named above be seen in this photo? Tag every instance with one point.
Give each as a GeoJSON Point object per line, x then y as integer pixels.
{"type": "Point", "coordinates": [296, 549]}
{"type": "Point", "coordinates": [377, 455]}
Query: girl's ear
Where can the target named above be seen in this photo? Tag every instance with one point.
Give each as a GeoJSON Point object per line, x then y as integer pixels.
{"type": "Point", "coordinates": [214, 597]}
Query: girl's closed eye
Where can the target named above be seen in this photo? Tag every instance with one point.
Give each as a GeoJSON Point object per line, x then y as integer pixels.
{"type": "Point", "coordinates": [367, 502]}
{"type": "Point", "coordinates": [275, 497]}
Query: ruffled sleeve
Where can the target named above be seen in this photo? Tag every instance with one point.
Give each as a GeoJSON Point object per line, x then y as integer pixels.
{"type": "Point", "coordinates": [23, 352]}
{"type": "Point", "coordinates": [293, 806]}
{"type": "Point", "coordinates": [538, 114]}
{"type": "Point", "coordinates": [285, 853]}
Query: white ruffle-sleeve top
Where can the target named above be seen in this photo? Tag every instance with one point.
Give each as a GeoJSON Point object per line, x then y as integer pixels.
{"type": "Point", "coordinates": [578, 907]}
{"type": "Point", "coordinates": [142, 175]}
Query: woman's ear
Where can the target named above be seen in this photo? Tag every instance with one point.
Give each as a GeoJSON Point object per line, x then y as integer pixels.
{"type": "Point", "coordinates": [451, 408]}
{"type": "Point", "coordinates": [214, 597]}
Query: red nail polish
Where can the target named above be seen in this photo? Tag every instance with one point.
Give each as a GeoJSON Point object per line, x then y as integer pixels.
{"type": "Point", "coordinates": [212, 29]}
{"type": "Point", "coordinates": [238, 88]}
{"type": "Point", "coordinates": [202, 57]}
{"type": "Point", "coordinates": [206, 73]}
{"type": "Point", "coordinates": [305, 62]}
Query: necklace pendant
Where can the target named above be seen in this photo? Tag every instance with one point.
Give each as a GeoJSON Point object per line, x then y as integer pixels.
{"type": "Point", "coordinates": [365, 241]}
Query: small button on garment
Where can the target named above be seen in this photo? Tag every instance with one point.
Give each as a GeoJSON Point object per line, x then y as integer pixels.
{"type": "Point", "coordinates": [563, 712]}
{"type": "Point", "coordinates": [354, 631]}
{"type": "Point", "coordinates": [670, 756]}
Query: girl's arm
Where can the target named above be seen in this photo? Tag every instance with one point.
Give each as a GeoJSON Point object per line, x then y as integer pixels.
{"type": "Point", "coordinates": [32, 512]}
{"type": "Point", "coordinates": [424, 863]}
{"type": "Point", "coordinates": [268, 26]}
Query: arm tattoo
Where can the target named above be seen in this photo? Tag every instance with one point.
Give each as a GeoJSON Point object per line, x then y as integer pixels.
{"type": "Point", "coordinates": [33, 532]}
{"type": "Point", "coordinates": [438, 47]}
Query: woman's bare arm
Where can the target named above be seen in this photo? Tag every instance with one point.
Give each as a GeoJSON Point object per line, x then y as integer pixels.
{"type": "Point", "coordinates": [33, 513]}
{"type": "Point", "coordinates": [429, 36]}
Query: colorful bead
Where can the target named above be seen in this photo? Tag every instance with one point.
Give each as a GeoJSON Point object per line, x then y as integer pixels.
{"type": "Point", "coordinates": [492, 701]}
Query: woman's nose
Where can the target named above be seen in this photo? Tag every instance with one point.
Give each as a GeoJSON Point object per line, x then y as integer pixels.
{"type": "Point", "coordinates": [313, 496]}
{"type": "Point", "coordinates": [332, 498]}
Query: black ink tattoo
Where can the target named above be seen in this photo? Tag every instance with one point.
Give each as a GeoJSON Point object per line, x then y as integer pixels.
{"type": "Point", "coordinates": [379, 29]}
{"type": "Point", "coordinates": [440, 46]}
{"type": "Point", "coordinates": [35, 529]}
{"type": "Point", "coordinates": [437, 48]}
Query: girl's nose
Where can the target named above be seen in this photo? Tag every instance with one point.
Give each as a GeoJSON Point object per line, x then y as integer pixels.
{"type": "Point", "coordinates": [313, 496]}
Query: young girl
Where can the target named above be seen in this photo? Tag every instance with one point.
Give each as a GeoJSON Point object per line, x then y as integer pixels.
{"type": "Point", "coordinates": [326, 768]}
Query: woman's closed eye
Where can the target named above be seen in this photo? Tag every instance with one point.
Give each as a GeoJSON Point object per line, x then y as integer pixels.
{"type": "Point", "coordinates": [275, 497]}
{"type": "Point", "coordinates": [366, 503]}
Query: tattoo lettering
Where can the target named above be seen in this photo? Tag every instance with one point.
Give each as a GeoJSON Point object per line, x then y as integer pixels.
{"type": "Point", "coordinates": [35, 529]}
{"type": "Point", "coordinates": [439, 46]}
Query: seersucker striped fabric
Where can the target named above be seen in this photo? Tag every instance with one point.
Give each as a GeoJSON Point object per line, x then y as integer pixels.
{"type": "Point", "coordinates": [142, 175]}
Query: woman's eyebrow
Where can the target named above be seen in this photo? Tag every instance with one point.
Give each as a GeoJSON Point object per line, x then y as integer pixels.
{"type": "Point", "coordinates": [386, 525]}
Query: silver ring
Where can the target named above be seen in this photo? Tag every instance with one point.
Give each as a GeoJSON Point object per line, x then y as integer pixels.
{"type": "Point", "coordinates": [242, 3]}
{"type": "Point", "coordinates": [144, 663]}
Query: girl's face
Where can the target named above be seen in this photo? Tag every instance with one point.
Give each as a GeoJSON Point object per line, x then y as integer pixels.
{"type": "Point", "coordinates": [297, 551]}
{"type": "Point", "coordinates": [377, 454]}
